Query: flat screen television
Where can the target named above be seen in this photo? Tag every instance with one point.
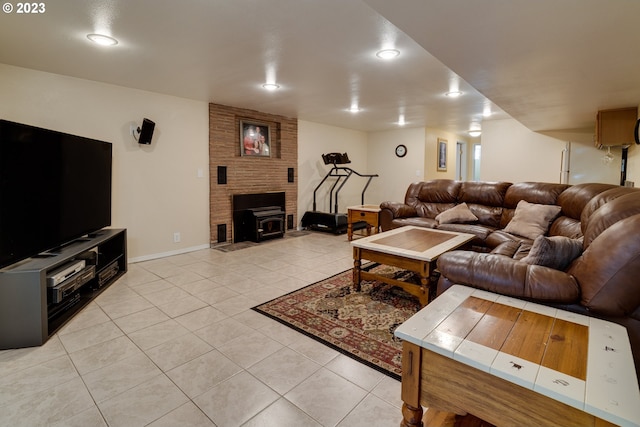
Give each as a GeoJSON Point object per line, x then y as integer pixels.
{"type": "Point", "coordinates": [54, 188]}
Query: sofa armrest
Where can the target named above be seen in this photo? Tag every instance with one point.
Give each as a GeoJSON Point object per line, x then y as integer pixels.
{"type": "Point", "coordinates": [399, 210]}
{"type": "Point", "coordinates": [392, 210]}
{"type": "Point", "coordinates": [506, 276]}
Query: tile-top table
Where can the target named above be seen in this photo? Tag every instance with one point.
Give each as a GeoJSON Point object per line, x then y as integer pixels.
{"type": "Point", "coordinates": [411, 248]}
{"type": "Point", "coordinates": [511, 362]}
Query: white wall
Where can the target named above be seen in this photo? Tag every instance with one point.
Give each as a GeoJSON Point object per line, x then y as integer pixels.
{"type": "Point", "coordinates": [431, 154]}
{"type": "Point", "coordinates": [586, 160]}
{"type": "Point", "coordinates": [512, 152]}
{"type": "Point", "coordinates": [419, 164]}
{"type": "Point", "coordinates": [316, 139]}
{"type": "Point", "coordinates": [395, 173]}
{"type": "Point", "coordinates": [156, 188]}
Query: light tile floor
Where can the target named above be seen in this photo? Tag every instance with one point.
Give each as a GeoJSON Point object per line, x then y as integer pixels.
{"type": "Point", "coordinates": [174, 343]}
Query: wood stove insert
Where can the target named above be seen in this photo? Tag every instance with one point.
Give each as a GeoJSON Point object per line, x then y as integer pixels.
{"type": "Point", "coordinates": [264, 223]}
{"type": "Point", "coordinates": [258, 216]}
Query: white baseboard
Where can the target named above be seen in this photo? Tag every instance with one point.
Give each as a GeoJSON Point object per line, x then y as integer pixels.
{"type": "Point", "coordinates": [167, 254]}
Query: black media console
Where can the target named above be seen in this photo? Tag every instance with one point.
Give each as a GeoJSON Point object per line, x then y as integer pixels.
{"type": "Point", "coordinates": [40, 294]}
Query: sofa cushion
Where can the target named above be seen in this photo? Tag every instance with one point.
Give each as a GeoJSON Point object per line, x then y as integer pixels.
{"type": "Point", "coordinates": [508, 249]}
{"type": "Point", "coordinates": [418, 221]}
{"type": "Point", "coordinates": [566, 226]}
{"type": "Point", "coordinates": [574, 199]}
{"type": "Point", "coordinates": [429, 198]}
{"type": "Point", "coordinates": [532, 220]}
{"type": "Point", "coordinates": [555, 252]}
{"type": "Point", "coordinates": [498, 237]}
{"type": "Point", "coordinates": [483, 193]}
{"type": "Point", "coordinates": [541, 193]}
{"type": "Point", "coordinates": [615, 210]}
{"type": "Point", "coordinates": [480, 231]}
{"type": "Point", "coordinates": [485, 200]}
{"type": "Point", "coordinates": [502, 275]}
{"type": "Point", "coordinates": [609, 268]}
{"type": "Point", "coordinates": [487, 215]}
{"type": "Point", "coordinates": [602, 199]}
{"type": "Point", "coordinates": [458, 214]}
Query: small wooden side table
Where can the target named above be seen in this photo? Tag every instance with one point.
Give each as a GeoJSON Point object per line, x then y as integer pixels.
{"type": "Point", "coordinates": [367, 213]}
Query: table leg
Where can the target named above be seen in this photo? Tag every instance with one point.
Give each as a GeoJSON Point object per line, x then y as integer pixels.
{"type": "Point", "coordinates": [350, 230]}
{"type": "Point", "coordinates": [357, 263]}
{"type": "Point", "coordinates": [411, 417]}
{"type": "Point", "coordinates": [410, 386]}
{"type": "Point", "coordinates": [425, 283]}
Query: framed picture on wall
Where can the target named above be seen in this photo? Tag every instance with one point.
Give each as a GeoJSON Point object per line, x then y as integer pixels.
{"type": "Point", "coordinates": [442, 155]}
{"type": "Point", "coordinates": [255, 139]}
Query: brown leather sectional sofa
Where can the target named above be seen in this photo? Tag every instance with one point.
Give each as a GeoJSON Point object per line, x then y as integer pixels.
{"type": "Point", "coordinates": [603, 281]}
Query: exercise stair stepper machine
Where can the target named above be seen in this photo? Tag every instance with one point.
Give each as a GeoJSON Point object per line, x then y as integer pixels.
{"type": "Point", "coordinates": [333, 221]}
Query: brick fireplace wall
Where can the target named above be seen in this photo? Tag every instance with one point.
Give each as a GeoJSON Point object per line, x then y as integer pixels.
{"type": "Point", "coordinates": [248, 174]}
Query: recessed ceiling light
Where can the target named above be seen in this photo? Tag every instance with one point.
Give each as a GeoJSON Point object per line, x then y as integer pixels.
{"type": "Point", "coordinates": [388, 53]}
{"type": "Point", "coordinates": [102, 40]}
{"type": "Point", "coordinates": [354, 109]}
{"type": "Point", "coordinates": [271, 86]}
{"type": "Point", "coordinates": [453, 94]}
{"type": "Point", "coordinates": [474, 133]}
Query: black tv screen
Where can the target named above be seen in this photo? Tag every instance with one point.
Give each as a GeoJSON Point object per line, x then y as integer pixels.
{"type": "Point", "coordinates": [54, 188]}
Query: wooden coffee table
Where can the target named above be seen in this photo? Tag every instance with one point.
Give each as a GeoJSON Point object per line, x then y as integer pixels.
{"type": "Point", "coordinates": [516, 363]}
{"type": "Point", "coordinates": [410, 248]}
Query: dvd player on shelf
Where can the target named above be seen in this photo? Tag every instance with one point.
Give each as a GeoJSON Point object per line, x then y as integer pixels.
{"type": "Point", "coordinates": [107, 273]}
{"type": "Point", "coordinates": [61, 274]}
{"type": "Point", "coordinates": [57, 294]}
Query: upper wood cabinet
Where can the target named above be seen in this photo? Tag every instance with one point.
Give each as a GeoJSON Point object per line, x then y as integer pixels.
{"type": "Point", "coordinates": [615, 127]}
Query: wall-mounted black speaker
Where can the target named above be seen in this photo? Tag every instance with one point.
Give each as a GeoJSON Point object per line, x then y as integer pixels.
{"type": "Point", "coordinates": [290, 174]}
{"type": "Point", "coordinates": [146, 132]}
{"type": "Point", "coordinates": [222, 174]}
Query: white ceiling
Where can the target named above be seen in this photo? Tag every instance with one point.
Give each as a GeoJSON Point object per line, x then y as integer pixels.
{"type": "Point", "coordinates": [550, 64]}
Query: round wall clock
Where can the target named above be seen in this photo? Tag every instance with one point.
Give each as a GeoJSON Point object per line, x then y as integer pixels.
{"type": "Point", "coordinates": [401, 150]}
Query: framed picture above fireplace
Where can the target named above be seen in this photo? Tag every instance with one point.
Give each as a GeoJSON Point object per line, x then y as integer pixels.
{"type": "Point", "coordinates": [255, 139]}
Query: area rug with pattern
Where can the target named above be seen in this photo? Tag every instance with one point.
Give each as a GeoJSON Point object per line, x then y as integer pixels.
{"type": "Point", "coordinates": [357, 324]}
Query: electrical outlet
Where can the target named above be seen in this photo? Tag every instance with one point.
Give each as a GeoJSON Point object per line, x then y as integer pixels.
{"type": "Point", "coordinates": [176, 237]}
